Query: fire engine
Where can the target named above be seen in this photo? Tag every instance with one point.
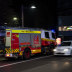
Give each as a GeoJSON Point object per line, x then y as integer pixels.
{"type": "Point", "coordinates": [26, 42]}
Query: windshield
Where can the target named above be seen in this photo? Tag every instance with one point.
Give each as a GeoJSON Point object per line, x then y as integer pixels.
{"type": "Point", "coordinates": [53, 35]}
{"type": "Point", "coordinates": [66, 44]}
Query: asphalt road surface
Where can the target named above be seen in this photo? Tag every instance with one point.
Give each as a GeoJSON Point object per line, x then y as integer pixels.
{"type": "Point", "coordinates": [38, 64]}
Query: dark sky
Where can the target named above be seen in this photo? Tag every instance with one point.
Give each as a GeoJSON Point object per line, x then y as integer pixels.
{"type": "Point", "coordinates": [44, 16]}
{"type": "Point", "coordinates": [64, 7]}
{"type": "Point", "coordinates": [6, 12]}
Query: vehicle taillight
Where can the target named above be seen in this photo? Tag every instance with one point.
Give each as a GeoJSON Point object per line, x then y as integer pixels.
{"type": "Point", "coordinates": [7, 55]}
{"type": "Point", "coordinates": [58, 41]}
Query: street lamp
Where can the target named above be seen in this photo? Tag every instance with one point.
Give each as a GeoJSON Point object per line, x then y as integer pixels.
{"type": "Point", "coordinates": [15, 18]}
{"type": "Point", "coordinates": [5, 23]}
{"type": "Point", "coordinates": [33, 7]}
{"type": "Point", "coordinates": [22, 13]}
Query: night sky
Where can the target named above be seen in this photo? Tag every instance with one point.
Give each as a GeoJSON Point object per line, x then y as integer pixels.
{"type": "Point", "coordinates": [64, 7]}
{"type": "Point", "coordinates": [44, 16]}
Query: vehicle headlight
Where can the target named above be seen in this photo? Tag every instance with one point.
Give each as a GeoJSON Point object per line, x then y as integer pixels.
{"type": "Point", "coordinates": [66, 49]}
{"type": "Point", "coordinates": [54, 49]}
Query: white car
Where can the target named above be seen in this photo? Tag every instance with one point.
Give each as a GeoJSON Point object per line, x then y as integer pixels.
{"type": "Point", "coordinates": [64, 49]}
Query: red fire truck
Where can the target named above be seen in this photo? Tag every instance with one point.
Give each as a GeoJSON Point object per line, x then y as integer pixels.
{"type": "Point", "coordinates": [26, 42]}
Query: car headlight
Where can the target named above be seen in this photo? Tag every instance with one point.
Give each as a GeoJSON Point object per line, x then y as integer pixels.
{"type": "Point", "coordinates": [54, 50]}
{"type": "Point", "coordinates": [66, 49]}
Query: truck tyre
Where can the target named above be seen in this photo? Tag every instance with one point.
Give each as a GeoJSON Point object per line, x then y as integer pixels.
{"type": "Point", "coordinates": [44, 50]}
{"type": "Point", "coordinates": [47, 50]}
{"type": "Point", "coordinates": [26, 54]}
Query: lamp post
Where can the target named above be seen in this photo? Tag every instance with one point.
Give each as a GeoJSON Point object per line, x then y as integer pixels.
{"type": "Point", "coordinates": [22, 16]}
{"type": "Point", "coordinates": [22, 12]}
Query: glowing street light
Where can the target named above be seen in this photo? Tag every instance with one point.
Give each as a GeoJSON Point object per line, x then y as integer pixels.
{"type": "Point", "coordinates": [33, 7]}
{"type": "Point", "coordinates": [15, 21]}
{"type": "Point", "coordinates": [15, 18]}
{"type": "Point", "coordinates": [5, 23]}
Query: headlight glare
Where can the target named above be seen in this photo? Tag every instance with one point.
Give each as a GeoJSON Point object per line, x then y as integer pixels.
{"type": "Point", "coordinates": [54, 50]}
{"type": "Point", "coordinates": [66, 49]}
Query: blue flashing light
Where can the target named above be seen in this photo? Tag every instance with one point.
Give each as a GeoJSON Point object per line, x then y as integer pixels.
{"type": "Point", "coordinates": [53, 30]}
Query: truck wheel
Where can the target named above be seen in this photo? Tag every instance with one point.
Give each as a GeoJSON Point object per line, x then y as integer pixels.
{"type": "Point", "coordinates": [45, 51]}
{"type": "Point", "coordinates": [42, 50]}
{"type": "Point", "coordinates": [27, 54]}
{"type": "Point", "coordinates": [48, 50]}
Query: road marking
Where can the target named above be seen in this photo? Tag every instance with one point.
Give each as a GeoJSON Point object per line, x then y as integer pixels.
{"type": "Point", "coordinates": [24, 61]}
{"type": "Point", "coordinates": [65, 59]}
{"type": "Point", "coordinates": [69, 59]}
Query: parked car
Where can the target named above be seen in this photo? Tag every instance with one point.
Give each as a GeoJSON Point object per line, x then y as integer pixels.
{"type": "Point", "coordinates": [64, 49]}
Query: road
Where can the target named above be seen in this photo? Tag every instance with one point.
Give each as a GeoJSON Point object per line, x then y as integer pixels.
{"type": "Point", "coordinates": [38, 64]}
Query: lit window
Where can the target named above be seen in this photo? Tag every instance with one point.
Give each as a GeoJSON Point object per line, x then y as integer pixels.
{"type": "Point", "coordinates": [60, 29]}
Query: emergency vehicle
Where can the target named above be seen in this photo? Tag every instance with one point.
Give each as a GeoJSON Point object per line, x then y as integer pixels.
{"type": "Point", "coordinates": [26, 42]}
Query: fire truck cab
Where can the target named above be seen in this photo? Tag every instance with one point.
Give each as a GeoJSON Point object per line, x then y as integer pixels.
{"type": "Point", "coordinates": [48, 41]}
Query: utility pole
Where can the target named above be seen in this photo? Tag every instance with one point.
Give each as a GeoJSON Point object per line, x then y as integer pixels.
{"type": "Point", "coordinates": [22, 9]}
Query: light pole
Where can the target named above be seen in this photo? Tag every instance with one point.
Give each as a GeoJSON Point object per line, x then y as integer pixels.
{"type": "Point", "coordinates": [22, 16]}
{"type": "Point", "coordinates": [22, 12]}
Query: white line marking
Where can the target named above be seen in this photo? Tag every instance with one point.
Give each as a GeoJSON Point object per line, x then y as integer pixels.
{"type": "Point", "coordinates": [65, 59]}
{"type": "Point", "coordinates": [24, 61]}
{"type": "Point", "coordinates": [69, 59]}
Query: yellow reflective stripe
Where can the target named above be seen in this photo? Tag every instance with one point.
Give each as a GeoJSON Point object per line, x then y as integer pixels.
{"type": "Point", "coordinates": [8, 29]}
{"type": "Point", "coordinates": [47, 39]}
{"type": "Point", "coordinates": [15, 50]}
{"type": "Point", "coordinates": [21, 53]}
{"type": "Point", "coordinates": [11, 51]}
{"type": "Point", "coordinates": [36, 51]}
{"type": "Point", "coordinates": [8, 50]}
{"type": "Point", "coordinates": [25, 31]}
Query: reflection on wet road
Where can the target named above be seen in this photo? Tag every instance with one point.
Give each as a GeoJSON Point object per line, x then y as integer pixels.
{"type": "Point", "coordinates": [40, 64]}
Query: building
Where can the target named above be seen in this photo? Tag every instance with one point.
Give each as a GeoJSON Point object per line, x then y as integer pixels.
{"type": "Point", "coordinates": [65, 27]}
